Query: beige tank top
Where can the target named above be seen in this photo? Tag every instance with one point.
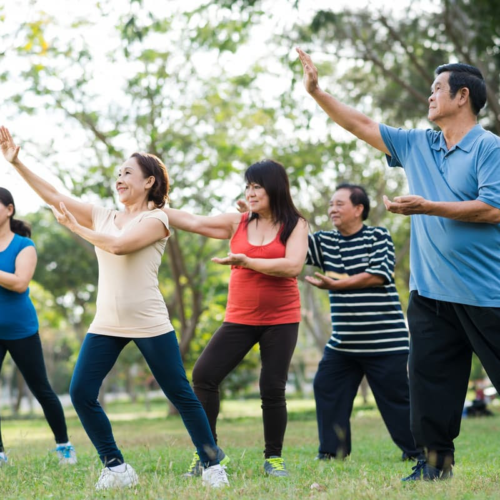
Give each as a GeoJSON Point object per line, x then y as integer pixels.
{"type": "Point", "coordinates": [129, 301]}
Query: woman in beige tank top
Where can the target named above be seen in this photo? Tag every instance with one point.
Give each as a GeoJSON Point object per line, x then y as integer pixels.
{"type": "Point", "coordinates": [129, 245]}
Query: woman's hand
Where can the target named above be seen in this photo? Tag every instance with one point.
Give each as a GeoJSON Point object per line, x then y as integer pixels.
{"type": "Point", "coordinates": [65, 217]}
{"type": "Point", "coordinates": [233, 259]}
{"type": "Point", "coordinates": [9, 148]}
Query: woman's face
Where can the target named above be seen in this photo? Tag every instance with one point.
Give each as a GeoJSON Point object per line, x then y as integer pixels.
{"type": "Point", "coordinates": [131, 184]}
{"type": "Point", "coordinates": [257, 198]}
{"type": "Point", "coordinates": [5, 213]}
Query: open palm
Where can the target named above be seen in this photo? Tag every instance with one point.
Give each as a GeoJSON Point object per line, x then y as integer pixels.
{"type": "Point", "coordinates": [9, 148]}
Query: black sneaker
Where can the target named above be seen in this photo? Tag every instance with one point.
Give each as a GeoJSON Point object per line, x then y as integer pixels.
{"type": "Point", "coordinates": [425, 472]}
{"type": "Point", "coordinates": [325, 456]}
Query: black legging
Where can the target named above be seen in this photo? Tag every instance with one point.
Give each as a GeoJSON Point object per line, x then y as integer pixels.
{"type": "Point", "coordinates": [28, 356]}
{"type": "Point", "coordinates": [227, 348]}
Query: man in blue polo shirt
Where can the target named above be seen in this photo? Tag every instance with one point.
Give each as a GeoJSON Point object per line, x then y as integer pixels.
{"type": "Point", "coordinates": [454, 178]}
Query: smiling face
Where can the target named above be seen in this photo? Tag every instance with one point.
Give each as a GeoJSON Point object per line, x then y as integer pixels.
{"type": "Point", "coordinates": [131, 184]}
{"type": "Point", "coordinates": [441, 104]}
{"type": "Point", "coordinates": [257, 198]}
{"type": "Point", "coordinates": [345, 216]}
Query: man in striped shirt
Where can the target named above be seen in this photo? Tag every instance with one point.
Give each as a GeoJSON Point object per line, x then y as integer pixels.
{"type": "Point", "coordinates": [369, 334]}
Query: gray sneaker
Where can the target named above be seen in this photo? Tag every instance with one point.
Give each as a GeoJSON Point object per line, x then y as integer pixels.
{"type": "Point", "coordinates": [196, 467]}
{"type": "Point", "coordinates": [275, 466]}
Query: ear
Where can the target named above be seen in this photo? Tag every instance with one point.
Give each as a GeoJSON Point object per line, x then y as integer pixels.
{"type": "Point", "coordinates": [359, 210]}
{"type": "Point", "coordinates": [10, 210]}
{"type": "Point", "coordinates": [150, 182]}
{"type": "Point", "coordinates": [463, 96]}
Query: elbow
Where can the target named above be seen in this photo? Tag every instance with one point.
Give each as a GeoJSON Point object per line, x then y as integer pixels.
{"type": "Point", "coordinates": [293, 271]}
{"type": "Point", "coordinates": [20, 287]}
{"type": "Point", "coordinates": [118, 249]}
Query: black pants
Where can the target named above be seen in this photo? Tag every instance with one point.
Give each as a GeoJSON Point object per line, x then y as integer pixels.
{"type": "Point", "coordinates": [443, 337]}
{"type": "Point", "coordinates": [336, 385]}
{"type": "Point", "coordinates": [28, 356]}
{"type": "Point", "coordinates": [227, 348]}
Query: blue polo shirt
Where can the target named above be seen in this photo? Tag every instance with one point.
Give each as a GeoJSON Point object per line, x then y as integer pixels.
{"type": "Point", "coordinates": [450, 260]}
{"type": "Point", "coordinates": [17, 314]}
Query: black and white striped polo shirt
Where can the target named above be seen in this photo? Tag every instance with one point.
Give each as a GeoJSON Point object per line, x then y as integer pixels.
{"type": "Point", "coordinates": [366, 321]}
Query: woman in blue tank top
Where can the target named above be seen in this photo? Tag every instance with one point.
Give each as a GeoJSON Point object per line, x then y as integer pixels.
{"type": "Point", "coordinates": [19, 323]}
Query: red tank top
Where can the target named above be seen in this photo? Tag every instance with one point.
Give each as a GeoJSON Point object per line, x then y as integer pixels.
{"type": "Point", "coordinates": [255, 298]}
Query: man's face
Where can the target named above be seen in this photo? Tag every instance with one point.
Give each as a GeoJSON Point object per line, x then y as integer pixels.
{"type": "Point", "coordinates": [342, 212]}
{"type": "Point", "coordinates": [441, 105]}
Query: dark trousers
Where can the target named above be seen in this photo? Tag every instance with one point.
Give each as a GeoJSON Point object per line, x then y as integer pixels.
{"type": "Point", "coordinates": [98, 355]}
{"type": "Point", "coordinates": [336, 385]}
{"type": "Point", "coordinates": [443, 337]}
{"type": "Point", "coordinates": [28, 356]}
{"type": "Point", "coordinates": [227, 348]}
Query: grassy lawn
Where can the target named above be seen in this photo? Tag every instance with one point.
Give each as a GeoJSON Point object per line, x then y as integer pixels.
{"type": "Point", "coordinates": [160, 450]}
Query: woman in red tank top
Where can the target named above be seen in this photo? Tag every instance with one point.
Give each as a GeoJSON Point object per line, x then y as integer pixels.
{"type": "Point", "coordinates": [268, 247]}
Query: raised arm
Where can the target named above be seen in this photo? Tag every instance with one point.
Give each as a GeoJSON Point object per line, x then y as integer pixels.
{"type": "Point", "coordinates": [353, 121]}
{"type": "Point", "coordinates": [46, 191]}
{"type": "Point", "coordinates": [19, 280]}
{"type": "Point", "coordinates": [288, 266]}
{"type": "Point", "coordinates": [220, 227]}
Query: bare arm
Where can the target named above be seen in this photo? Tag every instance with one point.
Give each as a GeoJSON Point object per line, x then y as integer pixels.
{"type": "Point", "coordinates": [357, 281]}
{"type": "Point", "coordinates": [46, 191]}
{"type": "Point", "coordinates": [288, 266]}
{"type": "Point", "coordinates": [464, 211]}
{"type": "Point", "coordinates": [353, 121]}
{"type": "Point", "coordinates": [19, 280]}
{"type": "Point", "coordinates": [220, 227]}
{"type": "Point", "coordinates": [147, 232]}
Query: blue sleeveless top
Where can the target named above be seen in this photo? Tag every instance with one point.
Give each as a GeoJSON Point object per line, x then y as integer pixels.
{"type": "Point", "coordinates": [17, 314]}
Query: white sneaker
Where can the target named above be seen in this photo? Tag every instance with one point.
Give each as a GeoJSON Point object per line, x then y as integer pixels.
{"type": "Point", "coordinates": [66, 454]}
{"type": "Point", "coordinates": [3, 459]}
{"type": "Point", "coordinates": [112, 479]}
{"type": "Point", "coordinates": [215, 476]}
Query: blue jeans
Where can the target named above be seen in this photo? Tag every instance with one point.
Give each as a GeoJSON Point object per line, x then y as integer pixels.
{"type": "Point", "coordinates": [98, 355]}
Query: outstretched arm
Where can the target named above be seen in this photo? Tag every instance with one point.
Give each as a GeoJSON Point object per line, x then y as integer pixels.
{"type": "Point", "coordinates": [288, 266]}
{"type": "Point", "coordinates": [19, 280]}
{"type": "Point", "coordinates": [46, 191]}
{"type": "Point", "coordinates": [220, 227]}
{"type": "Point", "coordinates": [357, 281]}
{"type": "Point", "coordinates": [353, 121]}
{"type": "Point", "coordinates": [464, 211]}
{"type": "Point", "coordinates": [148, 231]}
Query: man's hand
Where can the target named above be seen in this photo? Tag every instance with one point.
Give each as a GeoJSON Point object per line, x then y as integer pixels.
{"type": "Point", "coordinates": [232, 259]}
{"type": "Point", "coordinates": [408, 205]}
{"type": "Point", "coordinates": [65, 217]}
{"type": "Point", "coordinates": [310, 72]}
{"type": "Point", "coordinates": [322, 281]}
{"type": "Point", "coordinates": [9, 149]}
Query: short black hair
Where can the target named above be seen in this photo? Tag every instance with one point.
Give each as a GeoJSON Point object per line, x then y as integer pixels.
{"type": "Point", "coordinates": [358, 196]}
{"type": "Point", "coordinates": [465, 75]}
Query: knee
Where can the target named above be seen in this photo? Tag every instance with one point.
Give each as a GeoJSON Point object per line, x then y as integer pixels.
{"type": "Point", "coordinates": [203, 378]}
{"type": "Point", "coordinates": [273, 396]}
{"type": "Point", "coordinates": [319, 382]}
{"type": "Point", "coordinates": [81, 393]}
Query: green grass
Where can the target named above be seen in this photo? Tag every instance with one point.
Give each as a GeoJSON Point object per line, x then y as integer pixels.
{"type": "Point", "coordinates": [160, 450]}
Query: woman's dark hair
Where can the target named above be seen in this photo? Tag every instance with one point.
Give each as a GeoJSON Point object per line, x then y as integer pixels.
{"type": "Point", "coordinates": [16, 226]}
{"type": "Point", "coordinates": [465, 75]}
{"type": "Point", "coordinates": [358, 197]}
{"type": "Point", "coordinates": [272, 176]}
{"type": "Point", "coordinates": [151, 165]}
